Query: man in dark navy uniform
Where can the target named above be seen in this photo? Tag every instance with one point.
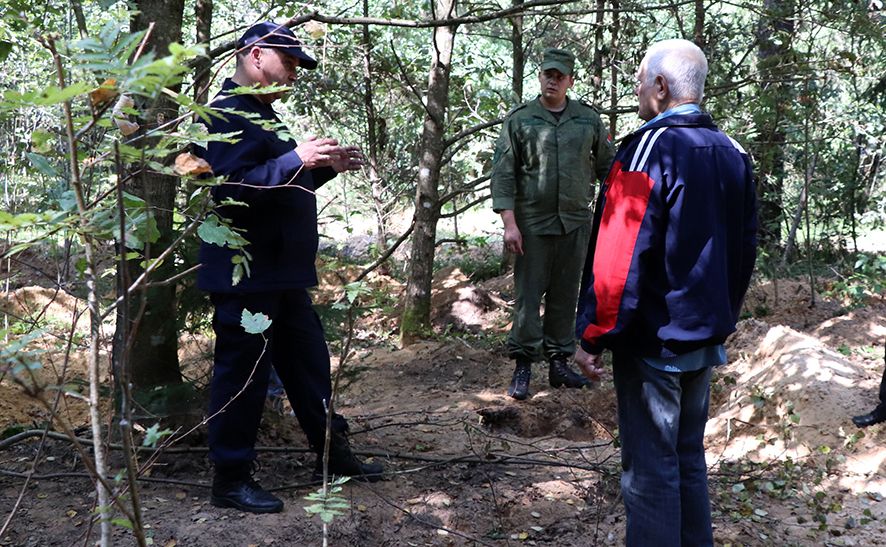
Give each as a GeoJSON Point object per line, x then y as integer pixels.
{"type": "Point", "coordinates": [276, 180]}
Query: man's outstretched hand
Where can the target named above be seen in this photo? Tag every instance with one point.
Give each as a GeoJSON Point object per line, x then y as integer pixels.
{"type": "Point", "coordinates": [350, 158]}
{"type": "Point", "coordinates": [318, 152]}
{"type": "Point", "coordinates": [590, 365]}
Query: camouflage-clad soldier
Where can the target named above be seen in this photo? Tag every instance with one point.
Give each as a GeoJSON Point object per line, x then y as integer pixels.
{"type": "Point", "coordinates": [546, 159]}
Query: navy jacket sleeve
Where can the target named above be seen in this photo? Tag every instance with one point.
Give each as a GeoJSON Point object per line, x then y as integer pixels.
{"type": "Point", "coordinates": [245, 163]}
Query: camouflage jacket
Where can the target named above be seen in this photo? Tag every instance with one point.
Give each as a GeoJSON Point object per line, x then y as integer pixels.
{"type": "Point", "coordinates": [544, 168]}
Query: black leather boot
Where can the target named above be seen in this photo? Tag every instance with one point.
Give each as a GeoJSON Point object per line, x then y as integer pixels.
{"type": "Point", "coordinates": [561, 375]}
{"type": "Point", "coordinates": [519, 388]}
{"type": "Point", "coordinates": [874, 417]}
{"type": "Point", "coordinates": [235, 487]}
{"type": "Point", "coordinates": [343, 462]}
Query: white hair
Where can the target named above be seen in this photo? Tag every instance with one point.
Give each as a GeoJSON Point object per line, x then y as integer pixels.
{"type": "Point", "coordinates": [682, 64]}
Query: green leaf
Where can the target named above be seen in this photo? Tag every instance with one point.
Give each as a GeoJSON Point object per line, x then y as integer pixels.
{"type": "Point", "coordinates": [212, 231]}
{"type": "Point", "coordinates": [254, 323]}
{"type": "Point", "coordinates": [17, 248]}
{"type": "Point", "coordinates": [153, 435]}
{"type": "Point", "coordinates": [41, 141]}
{"type": "Point", "coordinates": [68, 201]}
{"type": "Point", "coordinates": [42, 164]}
{"type": "Point", "coordinates": [54, 95]}
{"type": "Point", "coordinates": [355, 290]}
{"type": "Point", "coordinates": [122, 522]}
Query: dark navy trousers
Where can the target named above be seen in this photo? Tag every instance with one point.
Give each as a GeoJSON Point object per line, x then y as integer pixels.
{"type": "Point", "coordinates": [661, 421]}
{"type": "Point", "coordinates": [294, 345]}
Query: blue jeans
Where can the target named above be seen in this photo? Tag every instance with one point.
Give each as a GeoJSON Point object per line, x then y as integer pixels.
{"type": "Point", "coordinates": [661, 420]}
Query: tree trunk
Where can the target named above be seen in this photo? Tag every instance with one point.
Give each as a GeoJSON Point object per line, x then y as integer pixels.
{"type": "Point", "coordinates": [147, 335]}
{"type": "Point", "coordinates": [698, 32]}
{"type": "Point", "coordinates": [613, 53]}
{"type": "Point", "coordinates": [774, 33]}
{"type": "Point", "coordinates": [376, 183]}
{"type": "Point", "coordinates": [518, 55]}
{"type": "Point", "coordinates": [203, 18]}
{"type": "Point", "coordinates": [416, 318]}
{"type": "Point", "coordinates": [597, 79]}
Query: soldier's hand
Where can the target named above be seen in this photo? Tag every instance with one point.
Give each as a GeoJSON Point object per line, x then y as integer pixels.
{"type": "Point", "coordinates": [317, 152]}
{"type": "Point", "coordinates": [513, 239]}
{"type": "Point", "coordinates": [590, 365]}
{"type": "Point", "coordinates": [350, 159]}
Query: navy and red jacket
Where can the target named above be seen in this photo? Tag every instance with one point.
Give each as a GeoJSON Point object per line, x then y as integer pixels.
{"type": "Point", "coordinates": [280, 218]}
{"type": "Point", "coordinates": [673, 242]}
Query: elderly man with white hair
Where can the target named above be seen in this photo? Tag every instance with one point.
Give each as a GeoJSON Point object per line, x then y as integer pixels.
{"type": "Point", "coordinates": [673, 248]}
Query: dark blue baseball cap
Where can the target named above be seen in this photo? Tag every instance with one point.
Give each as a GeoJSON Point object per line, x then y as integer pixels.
{"type": "Point", "coordinates": [270, 34]}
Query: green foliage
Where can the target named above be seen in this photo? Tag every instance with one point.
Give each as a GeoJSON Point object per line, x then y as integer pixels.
{"type": "Point", "coordinates": [122, 522]}
{"type": "Point", "coordinates": [328, 504]}
{"type": "Point", "coordinates": [154, 434]}
{"type": "Point", "coordinates": [354, 290]}
{"type": "Point", "coordinates": [13, 430]}
{"type": "Point", "coordinates": [747, 487]}
{"type": "Point", "coordinates": [254, 323]}
{"type": "Point", "coordinates": [867, 278]}
{"type": "Point", "coordinates": [474, 256]}
{"type": "Point", "coordinates": [217, 230]}
{"type": "Point", "coordinates": [18, 355]}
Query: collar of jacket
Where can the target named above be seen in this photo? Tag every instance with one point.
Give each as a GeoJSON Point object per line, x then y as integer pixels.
{"type": "Point", "coordinates": [702, 119]}
{"type": "Point", "coordinates": [572, 110]}
{"type": "Point", "coordinates": [251, 100]}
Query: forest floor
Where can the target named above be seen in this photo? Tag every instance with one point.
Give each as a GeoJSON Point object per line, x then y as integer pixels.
{"type": "Point", "coordinates": [470, 466]}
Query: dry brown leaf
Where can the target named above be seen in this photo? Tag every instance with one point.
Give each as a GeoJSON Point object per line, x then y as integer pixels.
{"type": "Point", "coordinates": [189, 164]}
{"type": "Point", "coordinates": [121, 119]}
{"type": "Point", "coordinates": [104, 92]}
{"type": "Point", "coordinates": [126, 127]}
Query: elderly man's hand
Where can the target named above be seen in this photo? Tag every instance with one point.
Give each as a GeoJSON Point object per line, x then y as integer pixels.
{"type": "Point", "coordinates": [350, 159]}
{"type": "Point", "coordinates": [591, 365]}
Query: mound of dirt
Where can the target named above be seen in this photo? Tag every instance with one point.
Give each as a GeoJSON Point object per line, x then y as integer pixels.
{"type": "Point", "coordinates": [793, 391]}
{"type": "Point", "coordinates": [39, 306]}
{"type": "Point", "coordinates": [459, 304]}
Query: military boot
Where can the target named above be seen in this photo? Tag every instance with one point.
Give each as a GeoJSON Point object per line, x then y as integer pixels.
{"type": "Point", "coordinates": [874, 417]}
{"type": "Point", "coordinates": [519, 388]}
{"type": "Point", "coordinates": [233, 486]}
{"type": "Point", "coordinates": [561, 375]}
{"type": "Point", "coordinates": [343, 462]}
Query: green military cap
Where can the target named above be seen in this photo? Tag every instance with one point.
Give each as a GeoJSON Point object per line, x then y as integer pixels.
{"type": "Point", "coordinates": [558, 59]}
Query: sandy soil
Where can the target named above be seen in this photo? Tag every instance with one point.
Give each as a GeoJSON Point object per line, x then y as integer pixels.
{"type": "Point", "coordinates": [468, 465]}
